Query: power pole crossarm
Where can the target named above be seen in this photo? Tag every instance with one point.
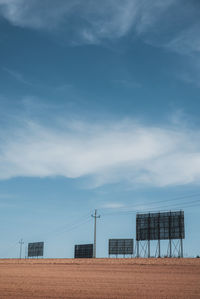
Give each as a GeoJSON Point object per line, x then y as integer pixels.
{"type": "Point", "coordinates": [95, 216]}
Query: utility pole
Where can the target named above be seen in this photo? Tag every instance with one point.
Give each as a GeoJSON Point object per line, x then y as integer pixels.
{"type": "Point", "coordinates": [95, 216]}
{"type": "Point", "coordinates": [20, 248]}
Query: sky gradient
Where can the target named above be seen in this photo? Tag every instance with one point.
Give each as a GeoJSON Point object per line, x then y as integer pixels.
{"type": "Point", "coordinates": [99, 108]}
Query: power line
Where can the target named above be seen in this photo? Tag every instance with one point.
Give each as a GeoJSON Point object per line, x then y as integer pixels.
{"type": "Point", "coordinates": [126, 210]}
{"type": "Point", "coordinates": [160, 208]}
{"type": "Point", "coordinates": [178, 203]}
{"type": "Point", "coordinates": [72, 227]}
{"type": "Point", "coordinates": [9, 248]}
{"type": "Point", "coordinates": [63, 228]}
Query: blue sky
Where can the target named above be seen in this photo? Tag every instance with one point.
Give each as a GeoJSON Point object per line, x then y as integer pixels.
{"type": "Point", "coordinates": [99, 108]}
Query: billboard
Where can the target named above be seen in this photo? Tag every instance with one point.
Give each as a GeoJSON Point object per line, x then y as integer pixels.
{"type": "Point", "coordinates": [160, 226]}
{"type": "Point", "coordinates": [35, 249]}
{"type": "Point", "coordinates": [120, 246]}
{"type": "Point", "coordinates": [83, 251]}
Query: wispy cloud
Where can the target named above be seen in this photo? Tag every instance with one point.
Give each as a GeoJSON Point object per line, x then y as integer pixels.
{"type": "Point", "coordinates": [6, 196]}
{"type": "Point", "coordinates": [113, 205]}
{"type": "Point", "coordinates": [191, 75]}
{"type": "Point", "coordinates": [34, 13]}
{"type": "Point", "coordinates": [92, 21]}
{"type": "Point", "coordinates": [16, 75]}
{"type": "Point", "coordinates": [127, 83]}
{"type": "Point", "coordinates": [171, 24]}
{"type": "Point", "coordinates": [125, 151]}
{"type": "Point", "coordinates": [187, 42]}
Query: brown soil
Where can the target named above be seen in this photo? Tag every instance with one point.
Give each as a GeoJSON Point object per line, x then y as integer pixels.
{"type": "Point", "coordinates": [100, 278]}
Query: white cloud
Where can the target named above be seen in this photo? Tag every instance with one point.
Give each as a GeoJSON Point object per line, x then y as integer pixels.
{"type": "Point", "coordinates": [115, 152]}
{"type": "Point", "coordinates": [16, 75]}
{"type": "Point", "coordinates": [113, 205]}
{"type": "Point", "coordinates": [127, 83]}
{"type": "Point", "coordinates": [187, 42]}
{"type": "Point", "coordinates": [6, 196]}
{"type": "Point", "coordinates": [90, 20]}
{"type": "Point", "coordinates": [170, 23]}
{"type": "Point", "coordinates": [191, 75]}
{"type": "Point", "coordinates": [34, 13]}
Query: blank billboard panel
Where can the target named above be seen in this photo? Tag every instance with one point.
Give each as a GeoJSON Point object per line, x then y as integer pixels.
{"type": "Point", "coordinates": [120, 246]}
{"type": "Point", "coordinates": [35, 249]}
{"type": "Point", "coordinates": [83, 251]}
{"type": "Point", "coordinates": [160, 226]}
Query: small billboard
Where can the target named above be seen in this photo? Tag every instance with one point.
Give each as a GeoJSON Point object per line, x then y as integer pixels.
{"type": "Point", "coordinates": [35, 249]}
{"type": "Point", "coordinates": [83, 251]}
{"type": "Point", "coordinates": [120, 246]}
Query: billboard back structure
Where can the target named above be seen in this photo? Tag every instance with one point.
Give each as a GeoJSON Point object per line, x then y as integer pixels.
{"type": "Point", "coordinates": [160, 226]}
{"type": "Point", "coordinates": [120, 246]}
{"type": "Point", "coordinates": [83, 251]}
{"type": "Point", "coordinates": [35, 249]}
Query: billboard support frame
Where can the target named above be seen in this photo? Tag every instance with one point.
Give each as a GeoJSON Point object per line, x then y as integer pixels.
{"type": "Point", "coordinates": [138, 248]}
{"type": "Point", "coordinates": [149, 249]}
{"type": "Point", "coordinates": [175, 247]}
{"type": "Point", "coordinates": [181, 248]}
{"type": "Point", "coordinates": [156, 226]}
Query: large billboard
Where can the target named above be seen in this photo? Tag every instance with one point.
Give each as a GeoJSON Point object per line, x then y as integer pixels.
{"type": "Point", "coordinates": [120, 246]}
{"type": "Point", "coordinates": [35, 249]}
{"type": "Point", "coordinates": [160, 226]}
{"type": "Point", "coordinates": [83, 251]}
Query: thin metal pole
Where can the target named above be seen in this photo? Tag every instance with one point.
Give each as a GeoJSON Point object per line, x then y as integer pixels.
{"type": "Point", "coordinates": [158, 248]}
{"type": "Point", "coordinates": [20, 248]}
{"type": "Point", "coordinates": [149, 219]}
{"type": "Point", "coordinates": [181, 240]}
{"type": "Point", "coordinates": [95, 230]}
{"type": "Point", "coordinates": [159, 235]}
{"type": "Point", "coordinates": [149, 254]}
{"type": "Point", "coordinates": [170, 248]}
{"type": "Point", "coordinates": [95, 233]}
{"type": "Point", "coordinates": [138, 249]}
{"type": "Point", "coordinates": [170, 241]}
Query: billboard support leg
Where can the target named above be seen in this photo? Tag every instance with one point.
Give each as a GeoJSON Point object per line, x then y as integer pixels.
{"type": "Point", "coordinates": [170, 248]}
{"type": "Point", "coordinates": [181, 243]}
{"type": "Point", "coordinates": [159, 248]}
{"type": "Point", "coordinates": [149, 254]}
{"type": "Point", "coordinates": [138, 252]}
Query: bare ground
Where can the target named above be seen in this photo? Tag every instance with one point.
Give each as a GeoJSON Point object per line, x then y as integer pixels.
{"type": "Point", "coordinates": [100, 278]}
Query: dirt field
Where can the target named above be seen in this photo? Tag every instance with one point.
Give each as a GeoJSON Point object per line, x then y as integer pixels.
{"type": "Point", "coordinates": [100, 278]}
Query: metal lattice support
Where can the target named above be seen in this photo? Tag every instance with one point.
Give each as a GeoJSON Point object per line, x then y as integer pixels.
{"type": "Point", "coordinates": [176, 248]}
{"type": "Point", "coordinates": [142, 249]}
{"type": "Point", "coordinates": [157, 253]}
